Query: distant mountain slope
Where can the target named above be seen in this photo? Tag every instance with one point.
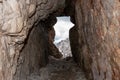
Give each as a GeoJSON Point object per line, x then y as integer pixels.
{"type": "Point", "coordinates": [64, 47]}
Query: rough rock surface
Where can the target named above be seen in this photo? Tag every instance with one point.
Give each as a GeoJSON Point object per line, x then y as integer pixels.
{"type": "Point", "coordinates": [17, 18]}
{"type": "Point", "coordinates": [76, 53]}
{"type": "Point", "coordinates": [64, 48]}
{"type": "Point", "coordinates": [64, 69]}
{"type": "Point", "coordinates": [95, 46]}
{"type": "Point", "coordinates": [34, 53]}
{"type": "Point", "coordinates": [98, 29]}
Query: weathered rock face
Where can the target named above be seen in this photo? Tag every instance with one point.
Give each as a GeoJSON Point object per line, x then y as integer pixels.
{"type": "Point", "coordinates": [17, 17]}
{"type": "Point", "coordinates": [34, 53]}
{"type": "Point", "coordinates": [74, 35]}
{"type": "Point", "coordinates": [37, 47]}
{"type": "Point", "coordinates": [97, 27]}
{"type": "Point", "coordinates": [94, 39]}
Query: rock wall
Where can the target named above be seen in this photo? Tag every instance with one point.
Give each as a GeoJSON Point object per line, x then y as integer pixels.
{"type": "Point", "coordinates": [94, 39]}
{"type": "Point", "coordinates": [34, 54]}
{"type": "Point", "coordinates": [17, 18]}
{"type": "Point", "coordinates": [37, 47]}
{"type": "Point", "coordinates": [98, 29]}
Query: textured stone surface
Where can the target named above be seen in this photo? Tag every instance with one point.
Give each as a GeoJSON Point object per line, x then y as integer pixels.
{"type": "Point", "coordinates": [37, 47]}
{"type": "Point", "coordinates": [64, 69]}
{"type": "Point", "coordinates": [73, 35]}
{"type": "Point", "coordinates": [98, 24]}
{"type": "Point", "coordinates": [52, 49]}
{"type": "Point", "coordinates": [17, 17]}
{"type": "Point", "coordinates": [34, 54]}
{"type": "Point", "coordinates": [96, 35]}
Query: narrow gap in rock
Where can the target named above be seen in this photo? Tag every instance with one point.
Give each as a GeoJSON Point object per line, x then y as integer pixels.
{"type": "Point", "coordinates": [62, 42]}
{"type": "Point", "coordinates": [60, 68]}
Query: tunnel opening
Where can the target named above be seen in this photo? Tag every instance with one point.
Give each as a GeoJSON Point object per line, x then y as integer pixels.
{"type": "Point", "coordinates": [35, 44]}
{"type": "Point", "coordinates": [25, 43]}
{"type": "Point", "coordinates": [58, 68]}
{"type": "Point", "coordinates": [62, 27]}
{"type": "Point", "coordinates": [35, 60]}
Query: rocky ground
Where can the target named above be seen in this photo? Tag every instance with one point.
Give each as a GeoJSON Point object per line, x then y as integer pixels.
{"type": "Point", "coordinates": [64, 69]}
{"type": "Point", "coordinates": [64, 48]}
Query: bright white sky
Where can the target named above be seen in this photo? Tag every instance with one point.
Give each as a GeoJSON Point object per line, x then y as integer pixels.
{"type": "Point", "coordinates": [62, 28]}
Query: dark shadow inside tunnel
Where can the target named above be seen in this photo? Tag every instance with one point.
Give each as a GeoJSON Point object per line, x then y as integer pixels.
{"type": "Point", "coordinates": [61, 64]}
{"type": "Point", "coordinates": [41, 43]}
